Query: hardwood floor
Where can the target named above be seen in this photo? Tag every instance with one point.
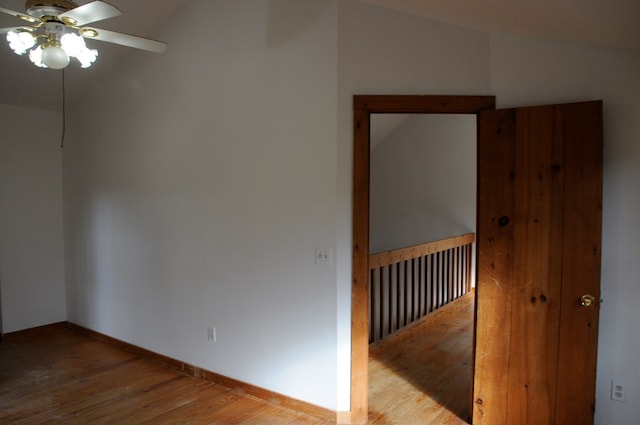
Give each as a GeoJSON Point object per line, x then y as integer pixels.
{"type": "Point", "coordinates": [422, 374]}
{"type": "Point", "coordinates": [53, 375]}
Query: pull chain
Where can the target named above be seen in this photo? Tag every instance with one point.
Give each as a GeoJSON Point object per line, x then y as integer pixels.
{"type": "Point", "coordinates": [64, 113]}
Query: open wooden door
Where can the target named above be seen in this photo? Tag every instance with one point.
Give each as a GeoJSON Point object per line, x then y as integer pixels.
{"type": "Point", "coordinates": [539, 241]}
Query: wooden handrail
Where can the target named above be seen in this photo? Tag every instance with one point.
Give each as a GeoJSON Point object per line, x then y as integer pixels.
{"type": "Point", "coordinates": [407, 284]}
{"type": "Point", "coordinates": [394, 256]}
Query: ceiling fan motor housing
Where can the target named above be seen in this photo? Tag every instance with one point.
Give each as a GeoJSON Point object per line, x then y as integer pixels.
{"type": "Point", "coordinates": [41, 8]}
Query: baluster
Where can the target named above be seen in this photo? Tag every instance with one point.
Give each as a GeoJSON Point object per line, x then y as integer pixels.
{"type": "Point", "coordinates": [420, 283]}
{"type": "Point", "coordinates": [429, 288]}
{"type": "Point", "coordinates": [372, 307]}
{"type": "Point", "coordinates": [391, 297]}
{"type": "Point", "coordinates": [447, 276]}
{"type": "Point", "coordinates": [399, 297]}
{"type": "Point", "coordinates": [469, 265]}
{"type": "Point", "coordinates": [438, 282]}
{"type": "Point", "coordinates": [418, 288]}
{"type": "Point", "coordinates": [455, 263]}
{"type": "Point", "coordinates": [381, 288]}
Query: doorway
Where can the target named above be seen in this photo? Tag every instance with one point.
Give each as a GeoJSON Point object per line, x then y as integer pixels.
{"type": "Point", "coordinates": [422, 196]}
{"type": "Point", "coordinates": [364, 106]}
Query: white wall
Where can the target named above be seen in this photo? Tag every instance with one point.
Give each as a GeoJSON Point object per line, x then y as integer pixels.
{"type": "Point", "coordinates": [423, 181]}
{"type": "Point", "coordinates": [199, 184]}
{"type": "Point", "coordinates": [31, 246]}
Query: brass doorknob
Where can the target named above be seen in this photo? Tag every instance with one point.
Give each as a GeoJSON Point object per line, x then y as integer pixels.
{"type": "Point", "coordinates": [587, 300]}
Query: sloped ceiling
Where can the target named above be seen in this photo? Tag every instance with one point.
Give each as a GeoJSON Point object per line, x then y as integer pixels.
{"type": "Point", "coordinates": [610, 23]}
{"type": "Point", "coordinates": [605, 23]}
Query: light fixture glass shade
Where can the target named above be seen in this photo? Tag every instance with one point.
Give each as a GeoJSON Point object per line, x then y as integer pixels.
{"type": "Point", "coordinates": [75, 46]}
{"type": "Point", "coordinates": [20, 41]}
{"type": "Point", "coordinates": [87, 57]}
{"type": "Point", "coordinates": [55, 57]}
{"type": "Point", "coordinates": [36, 57]}
{"type": "Point", "coordinates": [72, 44]}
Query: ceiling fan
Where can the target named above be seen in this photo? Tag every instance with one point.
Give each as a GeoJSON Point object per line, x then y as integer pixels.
{"type": "Point", "coordinates": [56, 31]}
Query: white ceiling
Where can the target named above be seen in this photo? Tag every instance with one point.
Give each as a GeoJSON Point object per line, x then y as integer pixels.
{"type": "Point", "coordinates": [607, 23]}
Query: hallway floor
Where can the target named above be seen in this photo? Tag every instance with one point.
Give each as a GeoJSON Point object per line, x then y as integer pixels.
{"type": "Point", "coordinates": [422, 374]}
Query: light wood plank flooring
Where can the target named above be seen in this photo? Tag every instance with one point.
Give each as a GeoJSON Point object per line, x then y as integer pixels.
{"type": "Point", "coordinates": [52, 375]}
{"type": "Point", "coordinates": [422, 374]}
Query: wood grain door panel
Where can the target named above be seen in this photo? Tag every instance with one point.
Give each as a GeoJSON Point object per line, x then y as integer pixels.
{"type": "Point", "coordinates": [539, 215]}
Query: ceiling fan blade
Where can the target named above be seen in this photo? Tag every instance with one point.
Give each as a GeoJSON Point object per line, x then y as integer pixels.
{"type": "Point", "coordinates": [6, 30]}
{"type": "Point", "coordinates": [90, 12]}
{"type": "Point", "coordinates": [124, 39]}
{"type": "Point", "coordinates": [22, 16]}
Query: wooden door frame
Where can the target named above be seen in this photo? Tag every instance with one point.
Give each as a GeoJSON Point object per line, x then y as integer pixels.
{"type": "Point", "coordinates": [363, 107]}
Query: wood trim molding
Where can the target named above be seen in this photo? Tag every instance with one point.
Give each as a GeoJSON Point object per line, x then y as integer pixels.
{"type": "Point", "coordinates": [422, 104]}
{"type": "Point", "coordinates": [363, 107]}
{"type": "Point", "coordinates": [385, 258]}
{"type": "Point", "coordinates": [191, 370]}
{"type": "Point", "coordinates": [345, 418]}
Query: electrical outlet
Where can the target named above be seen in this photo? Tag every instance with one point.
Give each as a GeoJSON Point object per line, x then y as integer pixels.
{"type": "Point", "coordinates": [211, 334]}
{"type": "Point", "coordinates": [618, 391]}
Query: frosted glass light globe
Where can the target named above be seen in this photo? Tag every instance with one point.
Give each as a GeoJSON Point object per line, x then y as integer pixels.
{"type": "Point", "coordinates": [75, 46]}
{"type": "Point", "coordinates": [55, 57]}
{"type": "Point", "coordinates": [20, 41]}
{"type": "Point", "coordinates": [36, 57]}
